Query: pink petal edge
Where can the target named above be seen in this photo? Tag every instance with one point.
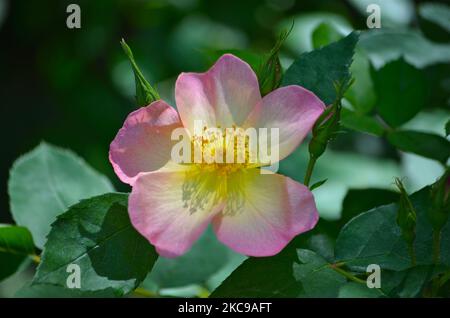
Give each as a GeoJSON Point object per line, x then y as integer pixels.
{"type": "Point", "coordinates": [281, 209]}
{"type": "Point", "coordinates": [222, 96]}
{"type": "Point", "coordinates": [144, 143]}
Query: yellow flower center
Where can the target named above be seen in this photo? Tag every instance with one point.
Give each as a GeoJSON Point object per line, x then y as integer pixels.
{"type": "Point", "coordinates": [224, 151]}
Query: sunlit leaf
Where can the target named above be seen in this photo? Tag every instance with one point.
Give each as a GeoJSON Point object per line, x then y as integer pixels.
{"type": "Point", "coordinates": [324, 34]}
{"type": "Point", "coordinates": [301, 38]}
{"type": "Point", "coordinates": [438, 13]}
{"type": "Point", "coordinates": [45, 182]}
{"type": "Point", "coordinates": [424, 144]}
{"type": "Point", "coordinates": [361, 94]}
{"type": "Point", "coordinates": [385, 45]}
{"type": "Point", "coordinates": [361, 123]}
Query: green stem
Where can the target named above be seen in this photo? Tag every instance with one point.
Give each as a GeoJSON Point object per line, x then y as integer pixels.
{"type": "Point", "coordinates": [309, 170]}
{"type": "Point", "coordinates": [348, 275]}
{"type": "Point", "coordinates": [436, 246]}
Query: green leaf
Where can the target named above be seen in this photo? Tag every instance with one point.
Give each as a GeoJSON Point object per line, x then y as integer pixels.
{"type": "Point", "coordinates": [447, 128]}
{"type": "Point", "coordinates": [294, 272]}
{"type": "Point", "coordinates": [361, 94]}
{"type": "Point", "coordinates": [96, 234]}
{"type": "Point", "coordinates": [52, 291]}
{"type": "Point", "coordinates": [324, 34]}
{"type": "Point", "coordinates": [262, 277]}
{"type": "Point", "coordinates": [206, 257]}
{"type": "Point", "coordinates": [145, 93]}
{"type": "Point", "coordinates": [361, 123]}
{"type": "Point", "coordinates": [16, 244]}
{"type": "Point", "coordinates": [320, 69]}
{"type": "Point", "coordinates": [355, 290]}
{"type": "Point", "coordinates": [411, 282]}
{"type": "Point", "coordinates": [233, 262]}
{"type": "Point", "coordinates": [301, 38]}
{"type": "Point", "coordinates": [438, 13]}
{"type": "Point", "coordinates": [15, 240]}
{"type": "Point", "coordinates": [424, 144]}
{"type": "Point", "coordinates": [357, 201]}
{"type": "Point", "coordinates": [45, 182]}
{"type": "Point", "coordinates": [385, 45]}
{"type": "Point", "coordinates": [322, 244]}
{"type": "Point", "coordinates": [317, 184]}
{"type": "Point", "coordinates": [414, 281]}
{"type": "Point", "coordinates": [11, 263]}
{"type": "Point", "coordinates": [401, 91]}
{"type": "Point", "coordinates": [373, 237]}
{"type": "Point", "coordinates": [317, 278]}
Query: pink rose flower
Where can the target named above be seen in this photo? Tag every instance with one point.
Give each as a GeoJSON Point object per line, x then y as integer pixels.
{"type": "Point", "coordinates": [172, 204]}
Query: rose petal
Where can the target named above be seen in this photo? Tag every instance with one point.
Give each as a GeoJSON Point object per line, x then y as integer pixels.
{"type": "Point", "coordinates": [172, 209]}
{"type": "Point", "coordinates": [291, 109]}
{"type": "Point", "coordinates": [144, 143]}
{"type": "Point", "coordinates": [263, 213]}
{"type": "Point", "coordinates": [222, 96]}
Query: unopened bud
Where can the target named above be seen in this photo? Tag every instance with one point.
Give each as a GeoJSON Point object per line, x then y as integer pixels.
{"type": "Point", "coordinates": [324, 130]}
{"type": "Point", "coordinates": [406, 215]}
{"type": "Point", "coordinates": [439, 210]}
{"type": "Point", "coordinates": [328, 124]}
{"type": "Point", "coordinates": [145, 93]}
{"type": "Point", "coordinates": [270, 71]}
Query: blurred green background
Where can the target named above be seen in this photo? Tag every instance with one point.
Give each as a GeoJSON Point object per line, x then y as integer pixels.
{"type": "Point", "coordinates": [74, 87]}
